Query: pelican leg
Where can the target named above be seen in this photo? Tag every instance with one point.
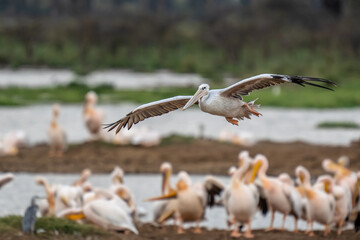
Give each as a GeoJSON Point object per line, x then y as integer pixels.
{"type": "Point", "coordinates": [327, 230]}
{"type": "Point", "coordinates": [252, 110]}
{"type": "Point", "coordinates": [270, 228]}
{"type": "Point", "coordinates": [248, 233]}
{"type": "Point", "coordinates": [197, 228]}
{"type": "Point", "coordinates": [180, 228]}
{"type": "Point", "coordinates": [235, 233]}
{"type": "Point", "coordinates": [295, 225]}
{"type": "Point", "coordinates": [283, 223]}
{"type": "Point", "coordinates": [311, 231]}
{"type": "Point", "coordinates": [340, 227]}
{"type": "Point", "coordinates": [232, 121]}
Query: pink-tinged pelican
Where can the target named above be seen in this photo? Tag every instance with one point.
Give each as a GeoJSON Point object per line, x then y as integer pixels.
{"type": "Point", "coordinates": [165, 209]}
{"type": "Point", "coordinates": [320, 201]}
{"type": "Point", "coordinates": [193, 199]}
{"type": "Point", "coordinates": [85, 174]}
{"type": "Point", "coordinates": [93, 117]}
{"type": "Point", "coordinates": [277, 197]}
{"type": "Point", "coordinates": [241, 199]}
{"type": "Point", "coordinates": [225, 102]}
{"type": "Point", "coordinates": [56, 134]}
{"type": "Point", "coordinates": [293, 196]}
{"type": "Point", "coordinates": [49, 208]}
{"type": "Point", "coordinates": [6, 179]}
{"type": "Point", "coordinates": [106, 210]}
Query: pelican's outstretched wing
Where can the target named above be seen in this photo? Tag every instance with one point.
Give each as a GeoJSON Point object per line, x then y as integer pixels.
{"type": "Point", "coordinates": [5, 179]}
{"type": "Point", "coordinates": [246, 86]}
{"type": "Point", "coordinates": [148, 110]}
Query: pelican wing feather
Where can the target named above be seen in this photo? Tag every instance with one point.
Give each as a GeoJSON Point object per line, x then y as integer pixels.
{"type": "Point", "coordinates": [148, 110]}
{"type": "Point", "coordinates": [246, 86]}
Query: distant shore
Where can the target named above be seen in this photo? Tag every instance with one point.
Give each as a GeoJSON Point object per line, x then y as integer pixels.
{"type": "Point", "coordinates": [192, 155]}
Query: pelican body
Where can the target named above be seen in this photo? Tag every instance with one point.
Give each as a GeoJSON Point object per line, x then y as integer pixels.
{"type": "Point", "coordinates": [225, 102]}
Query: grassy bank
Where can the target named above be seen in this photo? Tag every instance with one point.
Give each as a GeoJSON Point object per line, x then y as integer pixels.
{"type": "Point", "coordinates": [48, 227]}
{"type": "Point", "coordinates": [346, 95]}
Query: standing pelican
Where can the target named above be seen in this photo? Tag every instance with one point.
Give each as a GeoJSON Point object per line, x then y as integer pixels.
{"type": "Point", "coordinates": [241, 199]}
{"type": "Point", "coordinates": [225, 102]}
{"type": "Point", "coordinates": [193, 199]}
{"type": "Point", "coordinates": [164, 210]}
{"type": "Point", "coordinates": [56, 134]}
{"type": "Point", "coordinates": [93, 117]}
{"type": "Point", "coordinates": [278, 198]}
{"type": "Point", "coordinates": [320, 201]}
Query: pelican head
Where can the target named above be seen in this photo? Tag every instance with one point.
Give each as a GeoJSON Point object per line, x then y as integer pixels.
{"type": "Point", "coordinates": [243, 156]}
{"type": "Point", "coordinates": [327, 182]}
{"type": "Point", "coordinates": [203, 90]}
{"type": "Point", "coordinates": [56, 110]}
{"type": "Point", "coordinates": [285, 178]}
{"type": "Point", "coordinates": [344, 161]}
{"type": "Point", "coordinates": [232, 171]}
{"type": "Point", "coordinates": [117, 175]}
{"type": "Point", "coordinates": [184, 181]}
{"type": "Point", "coordinates": [165, 170]}
{"type": "Point", "coordinates": [303, 176]}
{"type": "Point", "coordinates": [91, 97]}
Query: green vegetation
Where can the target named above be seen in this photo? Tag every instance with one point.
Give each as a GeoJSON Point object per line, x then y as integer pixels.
{"type": "Point", "coordinates": [177, 139]}
{"type": "Point", "coordinates": [345, 95]}
{"type": "Point", "coordinates": [350, 125]}
{"type": "Point", "coordinates": [10, 224]}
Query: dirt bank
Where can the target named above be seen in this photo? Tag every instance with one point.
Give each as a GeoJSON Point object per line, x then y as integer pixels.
{"type": "Point", "coordinates": [194, 156]}
{"type": "Point", "coordinates": [148, 232]}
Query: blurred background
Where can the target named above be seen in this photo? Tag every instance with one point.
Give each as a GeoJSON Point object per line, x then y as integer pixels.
{"type": "Point", "coordinates": [214, 38]}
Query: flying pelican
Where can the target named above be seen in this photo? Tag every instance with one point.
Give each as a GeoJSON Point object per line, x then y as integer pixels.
{"type": "Point", "coordinates": [106, 210]}
{"type": "Point", "coordinates": [320, 202]}
{"type": "Point", "coordinates": [93, 117]}
{"type": "Point", "coordinates": [56, 134]}
{"type": "Point", "coordinates": [193, 199]}
{"type": "Point", "coordinates": [277, 197]}
{"type": "Point", "coordinates": [225, 102]}
{"type": "Point", "coordinates": [6, 179]}
{"type": "Point", "coordinates": [166, 209]}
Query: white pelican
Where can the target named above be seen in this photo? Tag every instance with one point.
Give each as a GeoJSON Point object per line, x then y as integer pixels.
{"type": "Point", "coordinates": [85, 174]}
{"type": "Point", "coordinates": [241, 199]}
{"type": "Point", "coordinates": [93, 117]}
{"type": "Point", "coordinates": [294, 197]}
{"type": "Point", "coordinates": [49, 208]}
{"type": "Point", "coordinates": [225, 102]}
{"type": "Point", "coordinates": [56, 134]}
{"type": "Point", "coordinates": [193, 199]}
{"type": "Point", "coordinates": [320, 202]}
{"type": "Point", "coordinates": [6, 179]}
{"type": "Point", "coordinates": [105, 209]}
{"type": "Point", "coordinates": [277, 197]}
{"type": "Point", "coordinates": [165, 209]}
{"type": "Point", "coordinates": [118, 188]}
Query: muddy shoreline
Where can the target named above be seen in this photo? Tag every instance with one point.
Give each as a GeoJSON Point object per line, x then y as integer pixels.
{"type": "Point", "coordinates": [195, 156]}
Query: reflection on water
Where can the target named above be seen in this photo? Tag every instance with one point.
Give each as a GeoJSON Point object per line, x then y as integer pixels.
{"type": "Point", "coordinates": [15, 197]}
{"type": "Point", "coordinates": [276, 124]}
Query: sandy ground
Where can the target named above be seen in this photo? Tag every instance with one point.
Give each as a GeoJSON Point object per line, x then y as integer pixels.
{"type": "Point", "coordinates": [197, 156]}
{"type": "Point", "coordinates": [148, 232]}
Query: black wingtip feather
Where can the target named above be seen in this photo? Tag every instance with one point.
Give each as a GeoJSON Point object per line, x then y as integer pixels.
{"type": "Point", "coordinates": [308, 81]}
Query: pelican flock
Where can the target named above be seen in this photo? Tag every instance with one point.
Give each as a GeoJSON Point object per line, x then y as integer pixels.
{"type": "Point", "coordinates": [227, 102]}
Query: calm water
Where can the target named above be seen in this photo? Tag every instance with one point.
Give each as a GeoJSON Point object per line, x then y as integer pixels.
{"type": "Point", "coordinates": [15, 196]}
{"type": "Point", "coordinates": [276, 124]}
{"type": "Point", "coordinates": [118, 78]}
